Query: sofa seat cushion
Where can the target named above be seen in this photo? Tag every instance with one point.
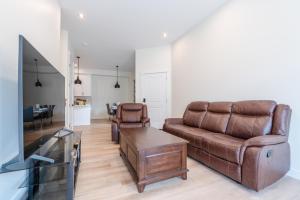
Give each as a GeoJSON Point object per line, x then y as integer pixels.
{"type": "Point", "coordinates": [131, 125]}
{"type": "Point", "coordinates": [181, 130]}
{"type": "Point", "coordinates": [193, 135]}
{"type": "Point", "coordinates": [222, 146]}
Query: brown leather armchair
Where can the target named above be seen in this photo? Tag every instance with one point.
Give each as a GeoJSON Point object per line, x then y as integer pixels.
{"type": "Point", "coordinates": [129, 115]}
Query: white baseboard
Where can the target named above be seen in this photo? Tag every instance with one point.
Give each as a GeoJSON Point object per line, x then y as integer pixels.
{"type": "Point", "coordinates": [294, 173]}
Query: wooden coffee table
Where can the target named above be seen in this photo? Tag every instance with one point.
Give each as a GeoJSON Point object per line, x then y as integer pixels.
{"type": "Point", "coordinates": [152, 155]}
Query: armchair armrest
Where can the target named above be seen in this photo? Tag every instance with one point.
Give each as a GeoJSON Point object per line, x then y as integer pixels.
{"type": "Point", "coordinates": [145, 120]}
{"type": "Point", "coordinates": [116, 120]}
{"type": "Point", "coordinates": [174, 121]}
{"type": "Point", "coordinates": [261, 141]}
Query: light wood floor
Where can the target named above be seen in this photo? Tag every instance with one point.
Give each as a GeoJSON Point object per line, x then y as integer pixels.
{"type": "Point", "coordinates": [103, 175]}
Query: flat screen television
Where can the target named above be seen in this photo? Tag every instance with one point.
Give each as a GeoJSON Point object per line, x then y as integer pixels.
{"type": "Point", "coordinates": [41, 99]}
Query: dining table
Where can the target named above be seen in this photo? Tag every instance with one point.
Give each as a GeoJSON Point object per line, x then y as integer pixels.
{"type": "Point", "coordinates": [40, 113]}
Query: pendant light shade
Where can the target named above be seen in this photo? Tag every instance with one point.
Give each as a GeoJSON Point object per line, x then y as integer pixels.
{"type": "Point", "coordinates": [78, 81]}
{"type": "Point", "coordinates": [37, 83]}
{"type": "Point", "coordinates": [117, 85]}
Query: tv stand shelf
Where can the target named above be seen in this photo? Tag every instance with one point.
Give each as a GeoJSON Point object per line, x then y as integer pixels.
{"type": "Point", "coordinates": [45, 180]}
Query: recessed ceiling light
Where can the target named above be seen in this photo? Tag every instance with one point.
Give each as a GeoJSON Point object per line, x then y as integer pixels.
{"type": "Point", "coordinates": [165, 35]}
{"type": "Point", "coordinates": [81, 15]}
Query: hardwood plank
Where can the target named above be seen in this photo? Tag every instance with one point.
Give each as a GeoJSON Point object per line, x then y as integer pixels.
{"type": "Point", "coordinates": [103, 175]}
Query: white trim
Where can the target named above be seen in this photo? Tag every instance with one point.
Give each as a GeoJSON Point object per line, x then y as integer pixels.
{"type": "Point", "coordinates": [294, 173]}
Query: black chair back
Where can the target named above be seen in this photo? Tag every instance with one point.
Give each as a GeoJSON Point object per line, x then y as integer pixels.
{"type": "Point", "coordinates": [51, 110]}
{"type": "Point", "coordinates": [108, 109]}
{"type": "Point", "coordinates": [28, 114]}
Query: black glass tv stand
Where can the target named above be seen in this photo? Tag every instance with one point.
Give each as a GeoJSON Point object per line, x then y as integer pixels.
{"type": "Point", "coordinates": [51, 180]}
{"type": "Point", "coordinates": [63, 132]}
{"type": "Point", "coordinates": [42, 158]}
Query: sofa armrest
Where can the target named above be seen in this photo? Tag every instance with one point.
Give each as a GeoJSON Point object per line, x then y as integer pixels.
{"type": "Point", "coordinates": [261, 141]}
{"type": "Point", "coordinates": [174, 121]}
{"type": "Point", "coordinates": [265, 165]}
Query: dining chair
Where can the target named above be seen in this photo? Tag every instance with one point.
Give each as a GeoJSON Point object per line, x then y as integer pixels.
{"type": "Point", "coordinates": [28, 115]}
{"type": "Point", "coordinates": [50, 113]}
{"type": "Point", "coordinates": [109, 111]}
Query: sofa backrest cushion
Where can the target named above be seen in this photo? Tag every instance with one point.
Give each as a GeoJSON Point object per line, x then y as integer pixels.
{"type": "Point", "coordinates": [281, 120]}
{"type": "Point", "coordinates": [251, 118]}
{"type": "Point", "coordinates": [195, 113]}
{"type": "Point", "coordinates": [217, 116]}
{"type": "Point", "coordinates": [131, 113]}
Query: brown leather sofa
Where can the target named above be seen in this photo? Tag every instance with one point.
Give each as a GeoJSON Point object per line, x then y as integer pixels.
{"type": "Point", "coordinates": [129, 115]}
{"type": "Point", "coordinates": [246, 141]}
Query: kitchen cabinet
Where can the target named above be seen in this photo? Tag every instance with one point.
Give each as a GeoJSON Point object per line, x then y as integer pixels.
{"type": "Point", "coordinates": [82, 115]}
{"type": "Point", "coordinates": [85, 88]}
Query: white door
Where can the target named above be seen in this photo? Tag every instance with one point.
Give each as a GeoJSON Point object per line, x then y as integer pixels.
{"type": "Point", "coordinates": [154, 94]}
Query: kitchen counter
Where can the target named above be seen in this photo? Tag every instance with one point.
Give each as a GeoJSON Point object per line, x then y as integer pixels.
{"type": "Point", "coordinates": [81, 115]}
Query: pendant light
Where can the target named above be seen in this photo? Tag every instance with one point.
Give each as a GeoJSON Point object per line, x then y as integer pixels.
{"type": "Point", "coordinates": [78, 81]}
{"type": "Point", "coordinates": [37, 83]}
{"type": "Point", "coordinates": [117, 85]}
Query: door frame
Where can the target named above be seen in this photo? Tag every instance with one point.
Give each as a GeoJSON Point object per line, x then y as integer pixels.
{"type": "Point", "coordinates": [70, 92]}
{"type": "Point", "coordinates": [168, 88]}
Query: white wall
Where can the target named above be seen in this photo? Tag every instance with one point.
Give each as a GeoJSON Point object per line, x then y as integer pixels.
{"type": "Point", "coordinates": [152, 60]}
{"type": "Point", "coordinates": [103, 90]}
{"type": "Point", "coordinates": [66, 68]}
{"type": "Point", "coordinates": [39, 22]}
{"type": "Point", "coordinates": [247, 50]}
{"type": "Point", "coordinates": [64, 52]}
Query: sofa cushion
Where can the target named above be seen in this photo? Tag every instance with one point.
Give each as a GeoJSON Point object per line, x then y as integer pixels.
{"type": "Point", "coordinates": [180, 130]}
{"type": "Point", "coordinates": [217, 116]}
{"type": "Point", "coordinates": [251, 118]}
{"type": "Point", "coordinates": [186, 132]}
{"type": "Point", "coordinates": [194, 113]}
{"type": "Point", "coordinates": [254, 107]}
{"type": "Point", "coordinates": [220, 145]}
{"type": "Point", "coordinates": [223, 146]}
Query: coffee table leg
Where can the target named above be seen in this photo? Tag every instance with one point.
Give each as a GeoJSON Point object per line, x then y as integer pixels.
{"type": "Point", "coordinates": [141, 187]}
{"type": "Point", "coordinates": [184, 176]}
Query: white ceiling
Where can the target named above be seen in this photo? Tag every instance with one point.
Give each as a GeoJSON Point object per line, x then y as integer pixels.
{"type": "Point", "coordinates": [113, 29]}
